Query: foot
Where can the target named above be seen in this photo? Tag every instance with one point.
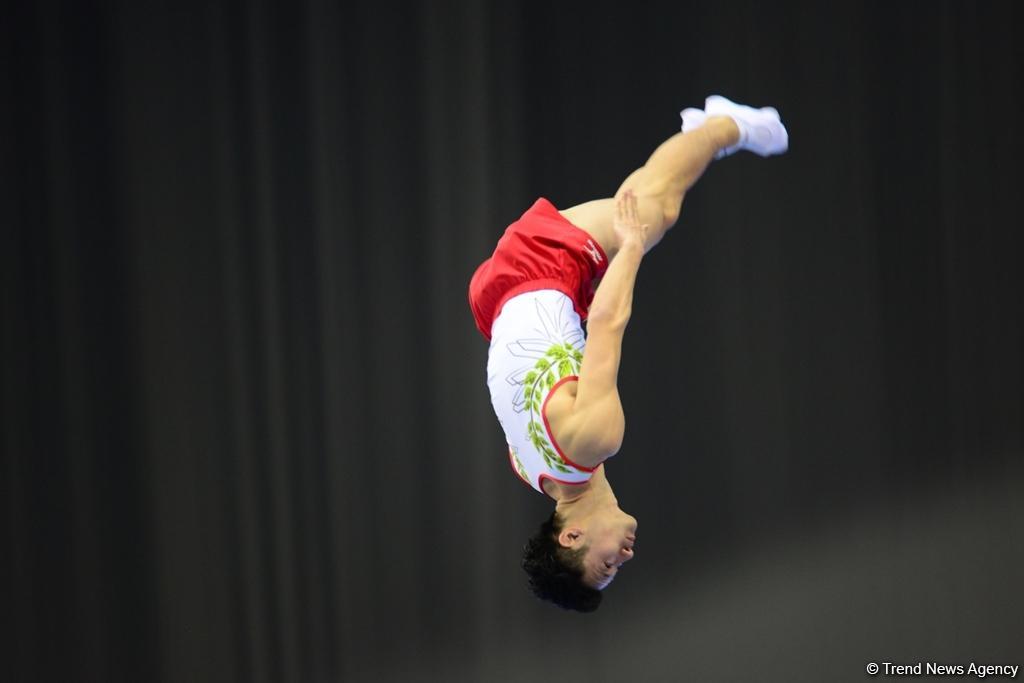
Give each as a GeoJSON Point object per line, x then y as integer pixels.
{"type": "Point", "coordinates": [761, 130]}
{"type": "Point", "coordinates": [692, 118]}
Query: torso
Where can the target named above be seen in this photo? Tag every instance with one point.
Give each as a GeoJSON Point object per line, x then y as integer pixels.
{"type": "Point", "coordinates": [536, 352]}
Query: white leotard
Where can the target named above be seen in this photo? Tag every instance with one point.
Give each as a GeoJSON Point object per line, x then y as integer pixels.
{"type": "Point", "coordinates": [537, 343]}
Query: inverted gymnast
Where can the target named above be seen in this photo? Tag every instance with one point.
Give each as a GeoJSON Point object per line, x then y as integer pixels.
{"type": "Point", "coordinates": [553, 388]}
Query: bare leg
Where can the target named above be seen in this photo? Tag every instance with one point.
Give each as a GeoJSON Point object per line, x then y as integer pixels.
{"type": "Point", "coordinates": [660, 184]}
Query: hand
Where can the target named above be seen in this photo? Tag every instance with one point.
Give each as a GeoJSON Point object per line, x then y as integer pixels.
{"type": "Point", "coordinates": [627, 224]}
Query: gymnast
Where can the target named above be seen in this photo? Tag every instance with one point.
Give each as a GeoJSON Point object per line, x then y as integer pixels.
{"type": "Point", "coordinates": [554, 388]}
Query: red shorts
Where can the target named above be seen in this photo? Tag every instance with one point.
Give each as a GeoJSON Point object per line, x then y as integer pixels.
{"type": "Point", "coordinates": [542, 250]}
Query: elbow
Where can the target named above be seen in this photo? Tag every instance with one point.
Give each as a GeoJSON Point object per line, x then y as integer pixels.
{"type": "Point", "coordinates": [608, 319]}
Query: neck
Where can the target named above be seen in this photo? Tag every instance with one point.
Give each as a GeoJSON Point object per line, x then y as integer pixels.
{"type": "Point", "coordinates": [582, 498]}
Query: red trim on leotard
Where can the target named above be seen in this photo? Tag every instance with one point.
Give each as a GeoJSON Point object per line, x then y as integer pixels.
{"type": "Point", "coordinates": [547, 427]}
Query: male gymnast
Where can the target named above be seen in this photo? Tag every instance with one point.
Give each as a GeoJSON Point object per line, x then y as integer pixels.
{"type": "Point", "coordinates": [553, 388]}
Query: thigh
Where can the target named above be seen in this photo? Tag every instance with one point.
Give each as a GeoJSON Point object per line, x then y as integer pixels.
{"type": "Point", "coordinates": [597, 218]}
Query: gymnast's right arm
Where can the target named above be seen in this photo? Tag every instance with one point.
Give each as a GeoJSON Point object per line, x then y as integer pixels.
{"type": "Point", "coordinates": [597, 423]}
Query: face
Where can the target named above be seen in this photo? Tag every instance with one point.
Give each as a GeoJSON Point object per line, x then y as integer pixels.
{"type": "Point", "coordinates": [610, 545]}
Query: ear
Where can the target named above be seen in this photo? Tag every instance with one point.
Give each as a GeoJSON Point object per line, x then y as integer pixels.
{"type": "Point", "coordinates": [570, 536]}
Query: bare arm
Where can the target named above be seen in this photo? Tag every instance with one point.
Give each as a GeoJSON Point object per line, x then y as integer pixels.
{"type": "Point", "coordinates": [597, 424]}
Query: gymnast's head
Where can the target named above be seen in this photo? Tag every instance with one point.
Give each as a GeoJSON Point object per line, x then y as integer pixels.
{"type": "Point", "coordinates": [573, 558]}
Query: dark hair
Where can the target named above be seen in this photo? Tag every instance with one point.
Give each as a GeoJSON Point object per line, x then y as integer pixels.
{"type": "Point", "coordinates": [556, 572]}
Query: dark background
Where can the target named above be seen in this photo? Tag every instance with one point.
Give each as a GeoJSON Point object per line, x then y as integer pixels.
{"type": "Point", "coordinates": [245, 430]}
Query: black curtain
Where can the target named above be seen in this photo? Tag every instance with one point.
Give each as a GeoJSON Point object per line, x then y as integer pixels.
{"type": "Point", "coordinates": [245, 430]}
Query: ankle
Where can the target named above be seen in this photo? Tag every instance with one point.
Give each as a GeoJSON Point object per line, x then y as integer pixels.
{"type": "Point", "coordinates": [723, 131]}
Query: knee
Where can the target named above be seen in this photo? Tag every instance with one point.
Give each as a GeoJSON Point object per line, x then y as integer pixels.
{"type": "Point", "coordinates": [660, 200]}
{"type": "Point", "coordinates": [660, 211]}
{"type": "Point", "coordinates": [666, 207]}
{"type": "Point", "coordinates": [670, 211]}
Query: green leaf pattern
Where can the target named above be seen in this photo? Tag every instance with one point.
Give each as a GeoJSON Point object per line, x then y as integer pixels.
{"type": "Point", "coordinates": [559, 361]}
{"type": "Point", "coordinates": [519, 465]}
